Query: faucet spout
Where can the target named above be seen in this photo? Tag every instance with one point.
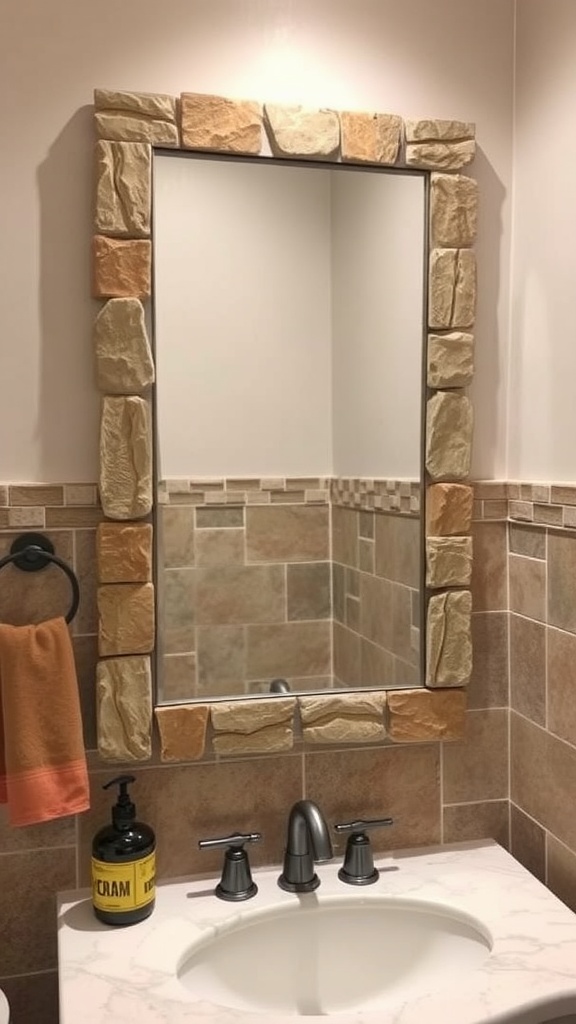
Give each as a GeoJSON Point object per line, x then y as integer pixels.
{"type": "Point", "coordinates": [308, 841]}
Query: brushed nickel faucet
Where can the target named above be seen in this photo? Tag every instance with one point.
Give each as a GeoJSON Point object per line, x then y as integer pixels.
{"type": "Point", "coordinates": [308, 841]}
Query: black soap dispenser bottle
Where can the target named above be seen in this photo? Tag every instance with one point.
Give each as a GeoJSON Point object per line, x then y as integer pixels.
{"type": "Point", "coordinates": [123, 863]}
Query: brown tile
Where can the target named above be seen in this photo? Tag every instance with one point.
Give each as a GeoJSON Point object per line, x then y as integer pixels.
{"type": "Point", "coordinates": [398, 549]}
{"type": "Point", "coordinates": [287, 534]}
{"type": "Point", "coordinates": [230, 796]}
{"type": "Point", "coordinates": [366, 555]}
{"type": "Point", "coordinates": [484, 820]}
{"type": "Point", "coordinates": [345, 536]}
{"type": "Point", "coordinates": [233, 595]}
{"type": "Point", "coordinates": [353, 613]}
{"type": "Point", "coordinates": [376, 610]}
{"type": "Point", "coordinates": [352, 578]}
{"type": "Point", "coordinates": [490, 489]}
{"type": "Point", "coordinates": [489, 589]}
{"type": "Point", "coordinates": [496, 510]}
{"type": "Point", "coordinates": [30, 597]}
{"type": "Point", "coordinates": [86, 621]}
{"type": "Point", "coordinates": [527, 842]}
{"type": "Point", "coordinates": [176, 536]}
{"type": "Point", "coordinates": [528, 587]}
{"type": "Point", "coordinates": [219, 518]}
{"type": "Point", "coordinates": [405, 674]}
{"type": "Point", "coordinates": [30, 882]}
{"type": "Point", "coordinates": [562, 684]}
{"type": "Point", "coordinates": [308, 590]}
{"type": "Point", "coordinates": [401, 640]}
{"type": "Point", "coordinates": [291, 649]}
{"type": "Point", "coordinates": [346, 656]}
{"type": "Point", "coordinates": [338, 592]}
{"type": "Point", "coordinates": [526, 540]}
{"type": "Point", "coordinates": [366, 525]}
{"type": "Point", "coordinates": [220, 547]}
{"type": "Point", "coordinates": [376, 665]}
{"type": "Point", "coordinates": [60, 832]}
{"type": "Point", "coordinates": [563, 495]}
{"type": "Point", "coordinates": [287, 497]}
{"type": "Point", "coordinates": [528, 668]}
{"type": "Point", "coordinates": [176, 610]}
{"type": "Point", "coordinates": [80, 494]}
{"type": "Point", "coordinates": [364, 784]}
{"type": "Point", "coordinates": [561, 576]}
{"type": "Point", "coordinates": [561, 871]}
{"type": "Point", "coordinates": [476, 768]}
{"type": "Point", "coordinates": [74, 517]}
{"type": "Point", "coordinates": [488, 686]}
{"type": "Point", "coordinates": [543, 778]}
{"type": "Point", "coordinates": [33, 998]}
{"type": "Point", "coordinates": [177, 677]}
{"type": "Point", "coordinates": [221, 660]}
{"type": "Point", "coordinates": [86, 658]}
{"type": "Point", "coordinates": [551, 515]}
{"type": "Point", "coordinates": [36, 495]}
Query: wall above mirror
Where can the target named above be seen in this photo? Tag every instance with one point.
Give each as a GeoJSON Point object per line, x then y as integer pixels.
{"type": "Point", "coordinates": [345, 578]}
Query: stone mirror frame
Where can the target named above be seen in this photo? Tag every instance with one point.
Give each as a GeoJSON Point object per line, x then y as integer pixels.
{"type": "Point", "coordinates": [128, 126]}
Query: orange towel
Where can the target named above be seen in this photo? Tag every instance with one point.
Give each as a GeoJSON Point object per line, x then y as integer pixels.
{"type": "Point", "coordinates": [43, 772]}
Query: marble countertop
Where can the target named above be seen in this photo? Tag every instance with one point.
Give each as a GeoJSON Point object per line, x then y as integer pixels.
{"type": "Point", "coordinates": [128, 975]}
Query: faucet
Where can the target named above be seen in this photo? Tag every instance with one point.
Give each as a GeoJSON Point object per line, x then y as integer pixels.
{"type": "Point", "coordinates": [308, 841]}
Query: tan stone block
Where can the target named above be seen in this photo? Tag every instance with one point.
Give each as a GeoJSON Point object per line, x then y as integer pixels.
{"type": "Point", "coordinates": [123, 192]}
{"type": "Point", "coordinates": [449, 509]}
{"type": "Point", "coordinates": [124, 363]}
{"type": "Point", "coordinates": [121, 267]}
{"type": "Point", "coordinates": [328, 705]}
{"type": "Point", "coordinates": [129, 128]}
{"type": "Point", "coordinates": [156, 105]}
{"type": "Point", "coordinates": [220, 124]}
{"type": "Point", "coordinates": [251, 715]}
{"type": "Point", "coordinates": [124, 709]}
{"type": "Point", "coordinates": [125, 458]}
{"type": "Point", "coordinates": [452, 288]}
{"type": "Point", "coordinates": [302, 132]}
{"type": "Point", "coordinates": [415, 716]}
{"type": "Point", "coordinates": [273, 740]}
{"type": "Point", "coordinates": [345, 730]}
{"type": "Point", "coordinates": [448, 435]}
{"type": "Point", "coordinates": [449, 640]}
{"type": "Point", "coordinates": [182, 732]}
{"type": "Point", "coordinates": [428, 130]}
{"type": "Point", "coordinates": [450, 360]}
{"type": "Point", "coordinates": [124, 552]}
{"type": "Point", "coordinates": [453, 210]}
{"type": "Point", "coordinates": [125, 618]}
{"type": "Point", "coordinates": [441, 156]}
{"type": "Point", "coordinates": [449, 561]}
{"type": "Point", "coordinates": [370, 138]}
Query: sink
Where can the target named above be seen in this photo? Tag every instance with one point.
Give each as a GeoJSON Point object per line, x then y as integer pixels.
{"type": "Point", "coordinates": [330, 955]}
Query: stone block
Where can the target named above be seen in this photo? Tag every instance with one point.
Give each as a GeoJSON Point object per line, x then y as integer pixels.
{"type": "Point", "coordinates": [343, 718]}
{"type": "Point", "coordinates": [415, 716]}
{"type": "Point", "coordinates": [453, 210]}
{"type": "Point", "coordinates": [448, 435]}
{"type": "Point", "coordinates": [370, 138]}
{"type": "Point", "coordinates": [182, 732]}
{"type": "Point", "coordinates": [433, 130]}
{"type": "Point", "coordinates": [250, 716]}
{"type": "Point", "coordinates": [449, 639]}
{"type": "Point", "coordinates": [448, 509]}
{"type": "Point", "coordinates": [302, 132]}
{"type": "Point", "coordinates": [342, 730]}
{"type": "Point", "coordinates": [275, 739]}
{"type": "Point", "coordinates": [156, 105]}
{"type": "Point", "coordinates": [125, 618]}
{"type": "Point", "coordinates": [441, 156]}
{"type": "Point", "coordinates": [221, 125]}
{"type": "Point", "coordinates": [124, 363]}
{"type": "Point", "coordinates": [124, 709]}
{"type": "Point", "coordinates": [123, 189]}
{"type": "Point", "coordinates": [452, 289]}
{"type": "Point", "coordinates": [450, 360]}
{"type": "Point", "coordinates": [448, 561]}
{"type": "Point", "coordinates": [327, 704]}
{"type": "Point", "coordinates": [121, 268]}
{"type": "Point", "coordinates": [124, 552]}
{"type": "Point", "coordinates": [136, 117]}
{"type": "Point", "coordinates": [125, 458]}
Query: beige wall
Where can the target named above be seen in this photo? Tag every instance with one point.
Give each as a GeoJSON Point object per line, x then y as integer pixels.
{"type": "Point", "coordinates": [451, 58]}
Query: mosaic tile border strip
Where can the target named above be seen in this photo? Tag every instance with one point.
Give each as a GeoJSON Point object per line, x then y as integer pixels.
{"type": "Point", "coordinates": [49, 506]}
{"type": "Point", "coordinates": [380, 494]}
{"type": "Point", "coordinates": [401, 496]}
{"type": "Point", "coordinates": [538, 504]}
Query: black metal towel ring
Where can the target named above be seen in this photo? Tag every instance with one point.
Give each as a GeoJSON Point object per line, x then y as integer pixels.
{"type": "Point", "coordinates": [33, 551]}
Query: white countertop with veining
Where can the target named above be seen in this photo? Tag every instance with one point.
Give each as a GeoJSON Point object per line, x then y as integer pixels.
{"type": "Point", "coordinates": [128, 975]}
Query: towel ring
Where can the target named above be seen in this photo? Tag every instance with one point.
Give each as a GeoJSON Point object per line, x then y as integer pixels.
{"type": "Point", "coordinates": [31, 552]}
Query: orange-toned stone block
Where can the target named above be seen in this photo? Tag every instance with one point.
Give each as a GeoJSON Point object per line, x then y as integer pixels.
{"type": "Point", "coordinates": [121, 268]}
{"type": "Point", "coordinates": [124, 552]}
{"type": "Point", "coordinates": [370, 138]}
{"type": "Point", "coordinates": [182, 732]}
{"type": "Point", "coordinates": [448, 510]}
{"type": "Point", "coordinates": [415, 716]}
{"type": "Point", "coordinates": [220, 124]}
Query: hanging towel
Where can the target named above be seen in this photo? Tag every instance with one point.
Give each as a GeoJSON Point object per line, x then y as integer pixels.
{"type": "Point", "coordinates": [43, 772]}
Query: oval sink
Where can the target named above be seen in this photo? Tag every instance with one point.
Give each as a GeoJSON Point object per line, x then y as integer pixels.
{"type": "Point", "coordinates": [334, 955]}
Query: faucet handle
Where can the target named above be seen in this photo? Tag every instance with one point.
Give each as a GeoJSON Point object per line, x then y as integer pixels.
{"type": "Point", "coordinates": [358, 867]}
{"type": "Point", "coordinates": [236, 882]}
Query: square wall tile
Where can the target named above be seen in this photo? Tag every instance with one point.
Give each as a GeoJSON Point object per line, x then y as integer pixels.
{"type": "Point", "coordinates": [476, 768]}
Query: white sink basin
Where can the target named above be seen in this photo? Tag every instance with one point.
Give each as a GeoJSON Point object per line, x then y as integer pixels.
{"type": "Point", "coordinates": [334, 955]}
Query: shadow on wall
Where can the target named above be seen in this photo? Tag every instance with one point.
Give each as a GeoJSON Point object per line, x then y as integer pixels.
{"type": "Point", "coordinates": [69, 404]}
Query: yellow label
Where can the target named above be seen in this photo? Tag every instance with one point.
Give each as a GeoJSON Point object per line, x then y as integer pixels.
{"type": "Point", "coordinates": [118, 886]}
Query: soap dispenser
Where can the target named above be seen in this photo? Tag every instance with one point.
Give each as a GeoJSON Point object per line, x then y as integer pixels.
{"type": "Point", "coordinates": [123, 863]}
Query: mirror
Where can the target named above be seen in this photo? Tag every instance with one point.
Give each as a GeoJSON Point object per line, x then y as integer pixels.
{"type": "Point", "coordinates": [289, 332]}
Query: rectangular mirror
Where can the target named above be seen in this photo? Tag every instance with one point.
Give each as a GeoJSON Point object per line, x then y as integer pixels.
{"type": "Point", "coordinates": [289, 331]}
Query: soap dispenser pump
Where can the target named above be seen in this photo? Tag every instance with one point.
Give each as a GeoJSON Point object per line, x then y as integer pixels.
{"type": "Point", "coordinates": [123, 863]}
